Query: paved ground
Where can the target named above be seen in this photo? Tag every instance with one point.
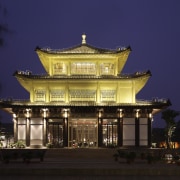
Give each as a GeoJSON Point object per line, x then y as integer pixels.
{"type": "Point", "coordinates": [86, 164]}
{"type": "Point", "coordinates": [51, 169]}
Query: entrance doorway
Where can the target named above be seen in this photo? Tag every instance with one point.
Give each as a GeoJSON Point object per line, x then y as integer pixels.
{"type": "Point", "coordinates": [83, 133]}
{"type": "Point", "coordinates": [55, 132]}
{"type": "Point", "coordinates": [110, 134]}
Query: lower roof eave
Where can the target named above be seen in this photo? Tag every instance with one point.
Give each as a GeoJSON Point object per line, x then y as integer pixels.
{"type": "Point", "coordinates": [155, 107]}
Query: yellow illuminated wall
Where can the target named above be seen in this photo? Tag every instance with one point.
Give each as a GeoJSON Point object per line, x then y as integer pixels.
{"type": "Point", "coordinates": [83, 90]}
{"type": "Point", "coordinates": [81, 75]}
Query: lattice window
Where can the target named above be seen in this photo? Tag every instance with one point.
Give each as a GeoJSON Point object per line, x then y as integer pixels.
{"type": "Point", "coordinates": [108, 95]}
{"type": "Point", "coordinates": [40, 95]}
{"type": "Point", "coordinates": [59, 68]}
{"type": "Point", "coordinates": [107, 69]}
{"type": "Point", "coordinates": [57, 95]}
{"type": "Point", "coordinates": [83, 68]}
{"type": "Point", "coordinates": [82, 95]}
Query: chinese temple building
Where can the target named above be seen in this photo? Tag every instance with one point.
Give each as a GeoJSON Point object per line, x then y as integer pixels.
{"type": "Point", "coordinates": [83, 100]}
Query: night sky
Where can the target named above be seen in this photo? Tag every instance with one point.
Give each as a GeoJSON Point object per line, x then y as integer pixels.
{"type": "Point", "coordinates": [150, 27]}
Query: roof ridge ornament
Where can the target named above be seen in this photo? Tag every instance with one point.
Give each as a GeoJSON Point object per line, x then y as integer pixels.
{"type": "Point", "coordinates": [83, 38]}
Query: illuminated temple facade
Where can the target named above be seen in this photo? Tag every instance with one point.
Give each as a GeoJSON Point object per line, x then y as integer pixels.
{"type": "Point", "coordinates": [83, 100]}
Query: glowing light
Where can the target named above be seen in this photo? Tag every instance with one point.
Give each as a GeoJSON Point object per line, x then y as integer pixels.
{"type": "Point", "coordinates": [137, 113]}
{"type": "Point", "coordinates": [65, 113]}
{"type": "Point", "coordinates": [84, 39]}
{"type": "Point", "coordinates": [28, 114]}
{"type": "Point", "coordinates": [150, 115]}
{"type": "Point", "coordinates": [100, 112]}
{"type": "Point", "coordinates": [120, 113]}
{"type": "Point", "coordinates": [45, 110]}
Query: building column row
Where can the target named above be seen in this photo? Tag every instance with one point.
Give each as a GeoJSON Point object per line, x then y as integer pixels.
{"type": "Point", "coordinates": [120, 128]}
{"type": "Point", "coordinates": [65, 113]}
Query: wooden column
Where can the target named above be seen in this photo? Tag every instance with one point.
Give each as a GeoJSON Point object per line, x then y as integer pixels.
{"type": "Point", "coordinates": [65, 132]}
{"type": "Point", "coordinates": [45, 115]}
{"type": "Point", "coordinates": [44, 131]}
{"type": "Point", "coordinates": [15, 120]}
{"type": "Point", "coordinates": [65, 127]}
{"type": "Point", "coordinates": [100, 122]}
{"type": "Point", "coordinates": [137, 128]}
{"type": "Point", "coordinates": [100, 132]}
{"type": "Point", "coordinates": [137, 132]}
{"type": "Point", "coordinates": [28, 114]}
{"type": "Point", "coordinates": [28, 131]}
{"type": "Point", "coordinates": [120, 127]}
{"type": "Point", "coordinates": [149, 130]}
{"type": "Point", "coordinates": [120, 133]}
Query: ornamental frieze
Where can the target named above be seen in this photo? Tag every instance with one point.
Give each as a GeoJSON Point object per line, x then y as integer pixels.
{"type": "Point", "coordinates": [82, 49]}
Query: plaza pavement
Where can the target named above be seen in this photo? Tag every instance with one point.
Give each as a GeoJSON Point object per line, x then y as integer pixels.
{"type": "Point", "coordinates": [86, 164]}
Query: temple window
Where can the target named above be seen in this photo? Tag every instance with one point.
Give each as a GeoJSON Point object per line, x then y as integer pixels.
{"type": "Point", "coordinates": [108, 95]}
{"type": "Point", "coordinates": [83, 68]}
{"type": "Point", "coordinates": [59, 68]}
{"type": "Point", "coordinates": [107, 69]}
{"type": "Point", "coordinates": [57, 95]}
{"type": "Point", "coordinates": [82, 95]}
{"type": "Point", "coordinates": [40, 95]}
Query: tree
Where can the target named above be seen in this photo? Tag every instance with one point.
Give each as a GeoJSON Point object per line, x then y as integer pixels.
{"type": "Point", "coordinates": [169, 116]}
{"type": "Point", "coordinates": [176, 134]}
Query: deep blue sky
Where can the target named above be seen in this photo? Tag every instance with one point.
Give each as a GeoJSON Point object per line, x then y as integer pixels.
{"type": "Point", "coordinates": [150, 27]}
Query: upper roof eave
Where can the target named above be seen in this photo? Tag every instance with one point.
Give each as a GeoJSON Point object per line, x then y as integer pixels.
{"type": "Point", "coordinates": [82, 49]}
{"type": "Point", "coordinates": [28, 75]}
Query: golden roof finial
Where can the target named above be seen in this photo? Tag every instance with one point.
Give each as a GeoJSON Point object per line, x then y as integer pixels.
{"type": "Point", "coordinates": [83, 38]}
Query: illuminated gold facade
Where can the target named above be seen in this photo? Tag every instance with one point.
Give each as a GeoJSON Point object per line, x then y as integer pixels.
{"type": "Point", "coordinates": [83, 100]}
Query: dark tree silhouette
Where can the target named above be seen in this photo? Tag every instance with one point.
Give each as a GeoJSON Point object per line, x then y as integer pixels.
{"type": "Point", "coordinates": [169, 116]}
{"type": "Point", "coordinates": [176, 134]}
